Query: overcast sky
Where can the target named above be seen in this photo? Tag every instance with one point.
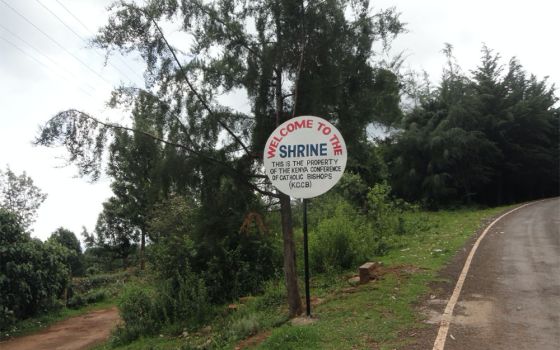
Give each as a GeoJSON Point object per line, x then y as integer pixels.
{"type": "Point", "coordinates": [44, 73]}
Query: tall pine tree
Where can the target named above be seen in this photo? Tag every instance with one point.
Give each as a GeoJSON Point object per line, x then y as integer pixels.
{"type": "Point", "coordinates": [287, 57]}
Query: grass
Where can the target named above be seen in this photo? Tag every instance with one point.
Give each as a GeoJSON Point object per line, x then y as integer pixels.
{"type": "Point", "coordinates": [378, 315]}
{"type": "Point", "coordinates": [160, 343]}
{"type": "Point", "coordinates": [382, 314]}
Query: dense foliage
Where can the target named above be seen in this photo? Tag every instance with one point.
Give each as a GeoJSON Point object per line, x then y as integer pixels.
{"type": "Point", "coordinates": [68, 239]}
{"type": "Point", "coordinates": [189, 194]}
{"type": "Point", "coordinates": [287, 58]}
{"type": "Point", "coordinates": [33, 274]}
{"type": "Point", "coordinates": [345, 234]}
{"type": "Point", "coordinates": [491, 137]}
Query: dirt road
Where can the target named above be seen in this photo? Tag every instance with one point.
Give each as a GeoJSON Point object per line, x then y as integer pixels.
{"type": "Point", "coordinates": [511, 295]}
{"type": "Point", "coordinates": [76, 333]}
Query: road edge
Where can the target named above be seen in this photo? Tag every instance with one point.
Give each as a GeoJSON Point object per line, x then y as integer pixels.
{"type": "Point", "coordinates": [445, 321]}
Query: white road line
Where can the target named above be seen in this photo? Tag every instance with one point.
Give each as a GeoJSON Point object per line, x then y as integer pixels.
{"type": "Point", "coordinates": [445, 322]}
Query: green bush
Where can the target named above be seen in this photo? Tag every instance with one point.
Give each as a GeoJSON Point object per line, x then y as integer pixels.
{"type": "Point", "coordinates": [95, 297]}
{"type": "Point", "coordinates": [184, 301]}
{"type": "Point", "coordinates": [138, 312]}
{"type": "Point", "coordinates": [385, 213]}
{"type": "Point", "coordinates": [341, 238]}
{"type": "Point", "coordinates": [76, 301]}
{"type": "Point", "coordinates": [79, 300]}
{"type": "Point", "coordinates": [245, 326]}
{"type": "Point", "coordinates": [93, 270]}
{"type": "Point", "coordinates": [274, 295]}
{"type": "Point", "coordinates": [179, 303]}
{"type": "Point", "coordinates": [235, 262]}
{"type": "Point", "coordinates": [33, 274]}
{"type": "Point", "coordinates": [86, 284]}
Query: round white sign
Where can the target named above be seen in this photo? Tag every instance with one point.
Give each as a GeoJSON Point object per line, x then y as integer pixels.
{"type": "Point", "coordinates": [305, 157]}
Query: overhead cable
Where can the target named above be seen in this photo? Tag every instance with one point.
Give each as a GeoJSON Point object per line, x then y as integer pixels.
{"type": "Point", "coordinates": [80, 37]}
{"type": "Point", "coordinates": [56, 42]}
{"type": "Point", "coordinates": [38, 51]}
{"type": "Point", "coordinates": [77, 19]}
{"type": "Point", "coordinates": [41, 63]}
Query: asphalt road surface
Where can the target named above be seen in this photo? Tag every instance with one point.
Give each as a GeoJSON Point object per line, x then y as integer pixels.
{"type": "Point", "coordinates": [511, 296]}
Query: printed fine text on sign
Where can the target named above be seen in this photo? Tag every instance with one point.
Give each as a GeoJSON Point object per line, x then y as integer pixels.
{"type": "Point", "coordinates": [305, 156]}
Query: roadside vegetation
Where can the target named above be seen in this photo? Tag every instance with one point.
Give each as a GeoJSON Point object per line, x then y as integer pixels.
{"type": "Point", "coordinates": [196, 247]}
{"type": "Point", "coordinates": [380, 314]}
{"type": "Point", "coordinates": [81, 295]}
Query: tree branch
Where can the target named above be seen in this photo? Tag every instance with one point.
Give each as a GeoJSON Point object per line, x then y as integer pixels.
{"type": "Point", "coordinates": [219, 20]}
{"type": "Point", "coordinates": [191, 86]}
{"type": "Point", "coordinates": [159, 100]}
{"type": "Point", "coordinates": [73, 113]}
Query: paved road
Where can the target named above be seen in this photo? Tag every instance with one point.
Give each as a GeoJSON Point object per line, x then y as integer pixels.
{"type": "Point", "coordinates": [77, 333]}
{"type": "Point", "coordinates": [511, 296]}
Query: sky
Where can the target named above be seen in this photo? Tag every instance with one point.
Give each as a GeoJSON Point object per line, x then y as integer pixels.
{"type": "Point", "coordinates": [45, 68]}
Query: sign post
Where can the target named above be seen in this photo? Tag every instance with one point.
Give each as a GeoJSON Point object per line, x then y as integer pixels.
{"type": "Point", "coordinates": [304, 158]}
{"type": "Point", "coordinates": [306, 260]}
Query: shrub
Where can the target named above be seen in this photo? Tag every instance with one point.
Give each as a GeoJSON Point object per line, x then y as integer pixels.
{"type": "Point", "coordinates": [138, 312]}
{"type": "Point", "coordinates": [76, 301]}
{"type": "Point", "coordinates": [95, 297]}
{"type": "Point", "coordinates": [93, 270]}
{"type": "Point", "coordinates": [85, 284]}
{"type": "Point", "coordinates": [245, 326]}
{"type": "Point", "coordinates": [386, 214]}
{"type": "Point", "coordinates": [235, 262]}
{"type": "Point", "coordinates": [180, 302]}
{"type": "Point", "coordinates": [274, 295]}
{"type": "Point", "coordinates": [32, 273]}
{"type": "Point", "coordinates": [184, 300]}
{"type": "Point", "coordinates": [342, 237]}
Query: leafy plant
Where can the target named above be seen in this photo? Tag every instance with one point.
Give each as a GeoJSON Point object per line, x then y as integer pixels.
{"type": "Point", "coordinates": [33, 274]}
{"type": "Point", "coordinates": [179, 302]}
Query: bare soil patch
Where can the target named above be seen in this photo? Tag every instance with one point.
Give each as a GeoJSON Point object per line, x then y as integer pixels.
{"type": "Point", "coordinates": [76, 333]}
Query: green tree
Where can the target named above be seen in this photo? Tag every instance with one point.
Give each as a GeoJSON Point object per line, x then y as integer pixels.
{"type": "Point", "coordinates": [136, 164]}
{"type": "Point", "coordinates": [288, 57]}
{"type": "Point", "coordinates": [520, 118]}
{"type": "Point", "coordinates": [491, 138]}
{"type": "Point", "coordinates": [33, 274]}
{"type": "Point", "coordinates": [115, 235]}
{"type": "Point", "coordinates": [68, 239]}
{"type": "Point", "coordinates": [19, 195]}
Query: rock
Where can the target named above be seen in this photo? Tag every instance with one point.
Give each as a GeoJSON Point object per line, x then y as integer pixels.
{"type": "Point", "coordinates": [354, 281]}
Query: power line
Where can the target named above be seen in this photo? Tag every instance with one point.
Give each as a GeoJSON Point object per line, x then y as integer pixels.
{"type": "Point", "coordinates": [42, 64]}
{"type": "Point", "coordinates": [41, 54]}
{"type": "Point", "coordinates": [77, 19]}
{"type": "Point", "coordinates": [80, 37]}
{"type": "Point", "coordinates": [56, 42]}
{"type": "Point", "coordinates": [74, 16]}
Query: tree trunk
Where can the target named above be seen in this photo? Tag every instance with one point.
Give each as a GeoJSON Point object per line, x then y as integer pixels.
{"type": "Point", "coordinates": [142, 246]}
{"type": "Point", "coordinates": [290, 271]}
